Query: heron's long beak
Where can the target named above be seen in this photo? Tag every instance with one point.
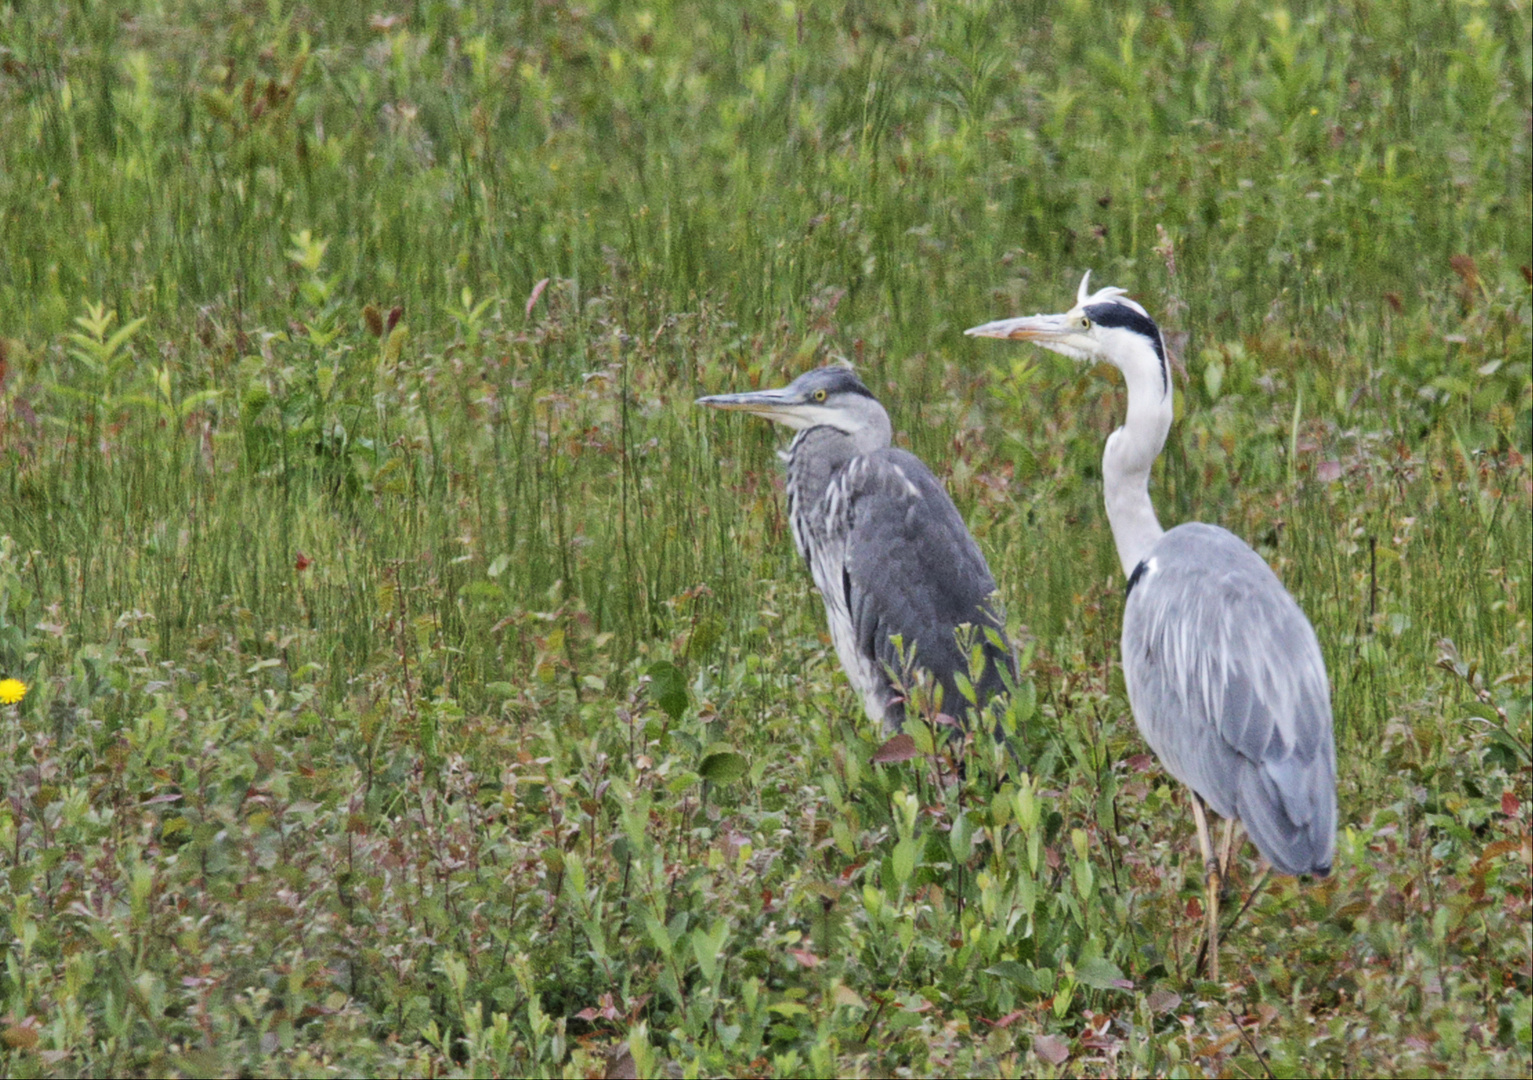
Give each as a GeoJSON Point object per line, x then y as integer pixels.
{"type": "Point", "coordinates": [1042, 329]}
{"type": "Point", "coordinates": [779, 404]}
{"type": "Point", "coordinates": [1057, 333]}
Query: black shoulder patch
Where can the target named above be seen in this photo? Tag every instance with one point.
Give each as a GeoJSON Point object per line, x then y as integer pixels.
{"type": "Point", "coordinates": [1125, 317]}
{"type": "Point", "coordinates": [1133, 579]}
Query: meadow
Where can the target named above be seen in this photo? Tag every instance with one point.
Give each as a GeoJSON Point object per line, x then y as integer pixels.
{"type": "Point", "coordinates": [416, 682]}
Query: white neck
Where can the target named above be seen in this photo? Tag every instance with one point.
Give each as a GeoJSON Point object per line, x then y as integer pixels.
{"type": "Point", "coordinates": [1132, 449]}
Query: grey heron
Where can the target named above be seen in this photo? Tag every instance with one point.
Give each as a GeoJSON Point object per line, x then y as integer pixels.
{"type": "Point", "coordinates": [1224, 672]}
{"type": "Point", "coordinates": [885, 545]}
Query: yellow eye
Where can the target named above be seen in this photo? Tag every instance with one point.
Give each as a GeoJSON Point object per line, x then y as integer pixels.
{"type": "Point", "coordinates": [1085, 323]}
{"type": "Point", "coordinates": [819, 395]}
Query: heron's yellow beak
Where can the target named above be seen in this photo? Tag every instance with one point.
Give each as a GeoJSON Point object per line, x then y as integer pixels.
{"type": "Point", "coordinates": [753, 401]}
{"type": "Point", "coordinates": [782, 405]}
{"type": "Point", "coordinates": [1064, 334]}
{"type": "Point", "coordinates": [1042, 329]}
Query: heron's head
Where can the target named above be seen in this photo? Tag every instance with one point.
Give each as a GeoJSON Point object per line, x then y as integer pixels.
{"type": "Point", "coordinates": [1103, 326]}
{"type": "Point", "coordinates": [826, 397]}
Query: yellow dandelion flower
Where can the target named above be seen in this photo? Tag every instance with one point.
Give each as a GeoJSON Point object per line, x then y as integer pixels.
{"type": "Point", "coordinates": [12, 691]}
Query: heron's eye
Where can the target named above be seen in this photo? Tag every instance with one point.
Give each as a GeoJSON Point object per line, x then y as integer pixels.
{"type": "Point", "coordinates": [819, 395]}
{"type": "Point", "coordinates": [1085, 322]}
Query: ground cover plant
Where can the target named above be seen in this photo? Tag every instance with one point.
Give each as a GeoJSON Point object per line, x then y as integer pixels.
{"type": "Point", "coordinates": [406, 677]}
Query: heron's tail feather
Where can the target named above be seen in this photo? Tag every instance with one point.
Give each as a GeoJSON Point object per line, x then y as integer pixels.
{"type": "Point", "coordinates": [1289, 809]}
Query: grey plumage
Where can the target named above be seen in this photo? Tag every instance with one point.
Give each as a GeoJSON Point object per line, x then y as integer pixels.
{"type": "Point", "coordinates": [885, 545]}
{"type": "Point", "coordinates": [1228, 687]}
{"type": "Point", "coordinates": [1224, 672]}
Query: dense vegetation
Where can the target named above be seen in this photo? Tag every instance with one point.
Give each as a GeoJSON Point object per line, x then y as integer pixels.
{"type": "Point", "coordinates": [417, 682]}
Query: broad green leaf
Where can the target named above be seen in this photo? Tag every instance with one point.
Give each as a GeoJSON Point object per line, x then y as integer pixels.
{"type": "Point", "coordinates": [723, 768]}
{"type": "Point", "coordinates": [1100, 974]}
{"type": "Point", "coordinates": [667, 688]}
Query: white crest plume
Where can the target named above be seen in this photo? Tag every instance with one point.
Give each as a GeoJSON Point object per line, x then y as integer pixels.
{"type": "Point", "coordinates": [1109, 293]}
{"type": "Point", "coordinates": [1224, 674]}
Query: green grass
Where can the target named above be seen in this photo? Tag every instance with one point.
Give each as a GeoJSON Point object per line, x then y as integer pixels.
{"type": "Point", "coordinates": [418, 682]}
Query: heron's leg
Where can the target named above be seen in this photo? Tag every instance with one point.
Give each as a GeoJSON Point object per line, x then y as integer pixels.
{"type": "Point", "coordinates": [1227, 848]}
{"type": "Point", "coordinates": [1211, 885]}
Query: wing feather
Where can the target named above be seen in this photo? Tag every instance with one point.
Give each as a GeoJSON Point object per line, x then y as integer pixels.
{"type": "Point", "coordinates": [1229, 688]}
{"type": "Point", "coordinates": [908, 570]}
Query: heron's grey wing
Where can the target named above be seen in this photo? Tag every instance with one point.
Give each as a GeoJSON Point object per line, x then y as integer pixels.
{"type": "Point", "coordinates": [913, 571]}
{"type": "Point", "coordinates": [1228, 687]}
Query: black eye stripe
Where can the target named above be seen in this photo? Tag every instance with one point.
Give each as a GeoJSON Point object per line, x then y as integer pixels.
{"type": "Point", "coordinates": [1111, 316]}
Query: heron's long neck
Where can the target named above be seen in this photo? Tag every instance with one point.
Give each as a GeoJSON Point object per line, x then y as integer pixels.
{"type": "Point", "coordinates": [817, 454]}
{"type": "Point", "coordinates": [815, 457]}
{"type": "Point", "coordinates": [1131, 450]}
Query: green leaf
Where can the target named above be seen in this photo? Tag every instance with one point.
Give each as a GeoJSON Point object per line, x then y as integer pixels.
{"type": "Point", "coordinates": [1213, 374]}
{"type": "Point", "coordinates": [965, 687]}
{"type": "Point", "coordinates": [789, 1008]}
{"type": "Point", "coordinates": [255, 399]}
{"type": "Point", "coordinates": [119, 339]}
{"type": "Point", "coordinates": [680, 782]}
{"type": "Point", "coordinates": [961, 836]}
{"type": "Point", "coordinates": [704, 637]}
{"type": "Point", "coordinates": [905, 859]}
{"type": "Point", "coordinates": [1100, 974]}
{"type": "Point", "coordinates": [575, 875]}
{"type": "Point", "coordinates": [667, 688]}
{"type": "Point", "coordinates": [723, 768]}
{"type": "Point", "coordinates": [1016, 972]}
{"type": "Point", "coordinates": [708, 948]}
{"type": "Point", "coordinates": [659, 934]}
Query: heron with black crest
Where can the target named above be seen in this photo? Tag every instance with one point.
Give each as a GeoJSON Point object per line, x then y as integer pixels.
{"type": "Point", "coordinates": [1224, 673]}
